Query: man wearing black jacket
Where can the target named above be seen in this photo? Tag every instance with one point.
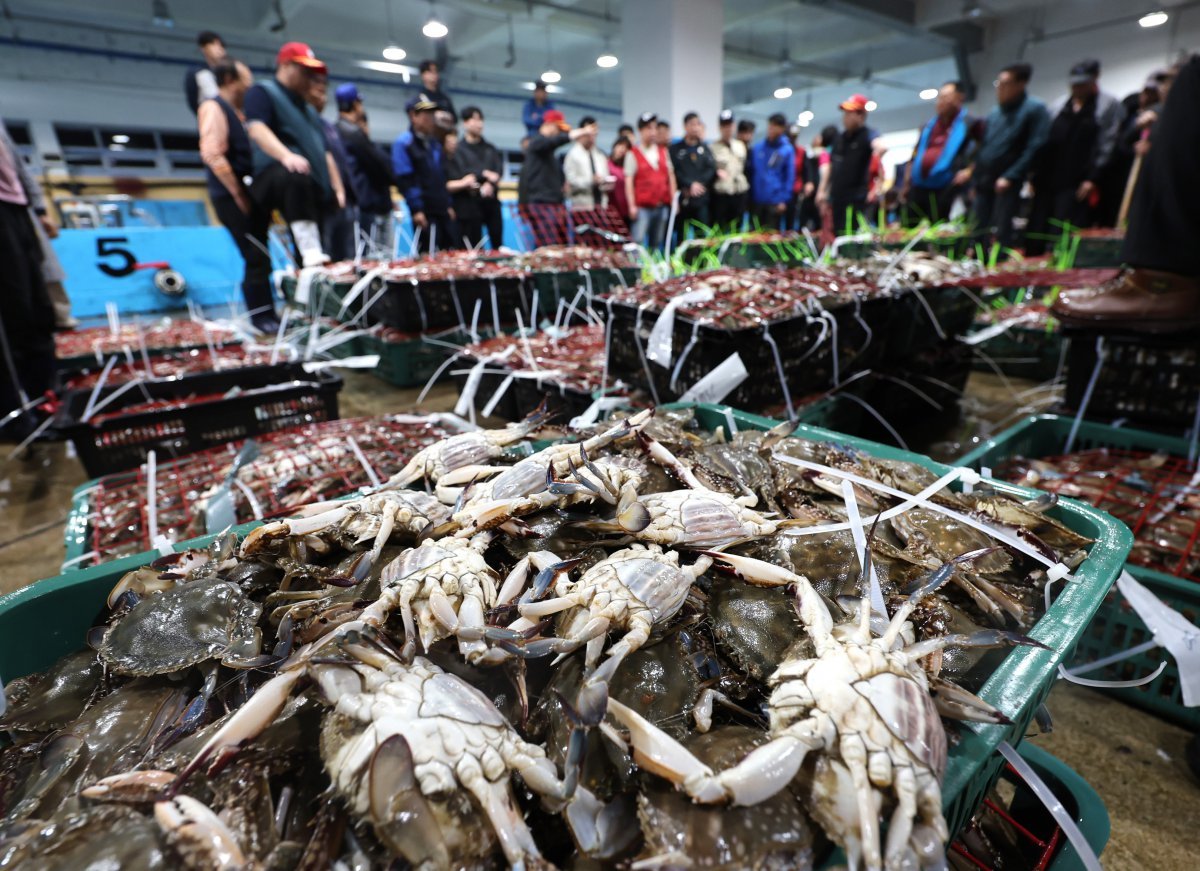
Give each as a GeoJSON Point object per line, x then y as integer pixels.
{"type": "Point", "coordinates": [541, 181]}
{"type": "Point", "coordinates": [369, 169]}
{"type": "Point", "coordinates": [420, 166]}
{"type": "Point", "coordinates": [479, 206]}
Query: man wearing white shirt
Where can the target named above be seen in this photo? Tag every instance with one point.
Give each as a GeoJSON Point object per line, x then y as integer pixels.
{"type": "Point", "coordinates": [586, 169]}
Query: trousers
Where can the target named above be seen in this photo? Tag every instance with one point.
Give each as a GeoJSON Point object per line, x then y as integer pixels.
{"type": "Point", "coordinates": [995, 211]}
{"type": "Point", "coordinates": [728, 210]}
{"type": "Point", "coordinates": [26, 314]}
{"type": "Point", "coordinates": [650, 227]}
{"type": "Point", "coordinates": [249, 232]}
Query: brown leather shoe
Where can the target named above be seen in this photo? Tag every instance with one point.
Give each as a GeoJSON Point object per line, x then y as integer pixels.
{"type": "Point", "coordinates": [1137, 300]}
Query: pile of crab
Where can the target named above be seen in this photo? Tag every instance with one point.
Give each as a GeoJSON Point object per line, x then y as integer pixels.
{"type": "Point", "coordinates": [650, 647]}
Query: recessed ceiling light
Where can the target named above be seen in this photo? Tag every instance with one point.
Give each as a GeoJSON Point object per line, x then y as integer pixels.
{"type": "Point", "coordinates": [871, 106]}
{"type": "Point", "coordinates": [120, 138]}
{"type": "Point", "coordinates": [928, 94]}
{"type": "Point", "coordinates": [805, 116]}
{"type": "Point", "coordinates": [434, 29]}
{"type": "Point", "coordinates": [394, 52]}
{"type": "Point", "coordinates": [783, 93]}
{"type": "Point", "coordinates": [607, 61]}
{"type": "Point", "coordinates": [550, 77]}
{"type": "Point", "coordinates": [1153, 19]}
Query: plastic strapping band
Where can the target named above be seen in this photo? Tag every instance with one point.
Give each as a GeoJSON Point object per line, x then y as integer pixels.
{"type": "Point", "coordinates": [929, 311]}
{"type": "Point", "coordinates": [731, 421]}
{"type": "Point", "coordinates": [420, 299]}
{"type": "Point", "coordinates": [495, 306]}
{"type": "Point", "coordinates": [787, 394]}
{"type": "Point", "coordinates": [362, 461]}
{"type": "Point", "coordinates": [1065, 821]}
{"type": "Point", "coordinates": [255, 506]}
{"type": "Point", "coordinates": [674, 382]}
{"type": "Point", "coordinates": [608, 330]}
{"type": "Point", "coordinates": [91, 403]}
{"type": "Point", "coordinates": [436, 375]}
{"type": "Point", "coordinates": [152, 494]}
{"type": "Point", "coordinates": [1097, 664]}
{"type": "Point", "coordinates": [497, 396]}
{"type": "Point", "coordinates": [1195, 435]}
{"type": "Point", "coordinates": [462, 321]}
{"type": "Point", "coordinates": [78, 559]}
{"type": "Point", "coordinates": [474, 331]}
{"type": "Point", "coordinates": [1087, 395]}
{"type": "Point", "coordinates": [637, 341]}
{"type": "Point", "coordinates": [860, 545]}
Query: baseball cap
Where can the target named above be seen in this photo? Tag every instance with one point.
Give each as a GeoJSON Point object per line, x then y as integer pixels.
{"type": "Point", "coordinates": [420, 103]}
{"type": "Point", "coordinates": [1085, 71]}
{"type": "Point", "coordinates": [347, 95]}
{"type": "Point", "coordinates": [726, 116]}
{"type": "Point", "coordinates": [646, 118]}
{"type": "Point", "coordinates": [1155, 79]}
{"type": "Point", "coordinates": [299, 53]}
{"type": "Point", "coordinates": [553, 116]}
{"type": "Point", "coordinates": [856, 103]}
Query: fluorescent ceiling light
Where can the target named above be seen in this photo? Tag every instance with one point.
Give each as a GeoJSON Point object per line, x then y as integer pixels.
{"type": "Point", "coordinates": [434, 29]}
{"type": "Point", "coordinates": [783, 93]}
{"type": "Point", "coordinates": [607, 61]}
{"type": "Point", "coordinates": [804, 122]}
{"type": "Point", "coordinates": [928, 94]}
{"type": "Point", "coordinates": [871, 105]}
{"type": "Point", "coordinates": [384, 67]}
{"type": "Point", "coordinates": [805, 116]}
{"type": "Point", "coordinates": [394, 52]}
{"type": "Point", "coordinates": [120, 138]}
{"type": "Point", "coordinates": [550, 77]}
{"type": "Point", "coordinates": [1153, 19]}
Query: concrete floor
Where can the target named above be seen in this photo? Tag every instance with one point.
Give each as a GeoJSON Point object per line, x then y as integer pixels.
{"type": "Point", "coordinates": [1134, 760]}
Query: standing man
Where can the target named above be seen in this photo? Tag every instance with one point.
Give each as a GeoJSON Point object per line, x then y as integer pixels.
{"type": "Point", "coordinates": [199, 82]}
{"type": "Point", "coordinates": [849, 187]}
{"type": "Point", "coordinates": [1083, 133]}
{"type": "Point", "coordinates": [431, 87]}
{"type": "Point", "coordinates": [369, 169]}
{"type": "Point", "coordinates": [731, 185]}
{"type": "Point", "coordinates": [480, 207]}
{"type": "Point", "coordinates": [419, 165]}
{"type": "Point", "coordinates": [26, 314]}
{"type": "Point", "coordinates": [293, 169]}
{"type": "Point", "coordinates": [228, 166]}
{"type": "Point", "coordinates": [695, 172]}
{"type": "Point", "coordinates": [663, 133]}
{"type": "Point", "coordinates": [649, 186]}
{"type": "Point", "coordinates": [772, 174]}
{"type": "Point", "coordinates": [934, 176]}
{"type": "Point", "coordinates": [586, 169]}
{"type": "Point", "coordinates": [535, 108]}
{"type": "Point", "coordinates": [541, 182]}
{"type": "Point", "coordinates": [338, 224]}
{"type": "Point", "coordinates": [1013, 133]}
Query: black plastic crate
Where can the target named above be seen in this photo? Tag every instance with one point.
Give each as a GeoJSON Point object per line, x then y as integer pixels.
{"type": "Point", "coordinates": [926, 317]}
{"type": "Point", "coordinates": [113, 442]}
{"type": "Point", "coordinates": [490, 380]}
{"type": "Point", "coordinates": [561, 400]}
{"type": "Point", "coordinates": [418, 306]}
{"type": "Point", "coordinates": [1152, 380]}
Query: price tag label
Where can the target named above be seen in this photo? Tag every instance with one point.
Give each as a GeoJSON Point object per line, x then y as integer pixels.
{"type": "Point", "coordinates": [718, 383]}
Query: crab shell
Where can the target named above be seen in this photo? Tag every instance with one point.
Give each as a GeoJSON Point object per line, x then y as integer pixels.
{"type": "Point", "coordinates": [706, 518]}
{"type": "Point", "coordinates": [187, 624]}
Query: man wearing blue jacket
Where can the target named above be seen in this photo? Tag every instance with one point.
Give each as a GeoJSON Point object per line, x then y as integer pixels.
{"type": "Point", "coordinates": [535, 109]}
{"type": "Point", "coordinates": [370, 169]}
{"type": "Point", "coordinates": [772, 175]}
{"type": "Point", "coordinates": [1014, 132]}
{"type": "Point", "coordinates": [420, 167]}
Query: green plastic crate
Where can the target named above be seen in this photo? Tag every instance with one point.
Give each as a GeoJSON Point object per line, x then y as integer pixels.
{"type": "Point", "coordinates": [408, 363]}
{"type": "Point", "coordinates": [49, 619]}
{"type": "Point", "coordinates": [1023, 352]}
{"type": "Point", "coordinates": [1116, 626]}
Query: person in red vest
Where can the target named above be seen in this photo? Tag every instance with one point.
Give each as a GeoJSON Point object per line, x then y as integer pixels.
{"type": "Point", "coordinates": [649, 186]}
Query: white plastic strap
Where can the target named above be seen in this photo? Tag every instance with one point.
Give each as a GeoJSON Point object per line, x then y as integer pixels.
{"type": "Point", "coordinates": [358, 288]}
{"type": "Point", "coordinates": [362, 461]}
{"type": "Point", "coordinates": [114, 319]}
{"type": "Point", "coordinates": [163, 545]}
{"type": "Point", "coordinates": [363, 361]}
{"type": "Point", "coordinates": [67, 564]}
{"type": "Point", "coordinates": [718, 383]}
{"type": "Point", "coordinates": [731, 422]}
{"type": "Point", "coordinates": [474, 330]}
{"type": "Point", "coordinates": [497, 396]}
{"type": "Point", "coordinates": [251, 500]}
{"type": "Point", "coordinates": [305, 282]}
{"type": "Point", "coordinates": [495, 306]}
{"type": "Point", "coordinates": [1071, 677]}
{"type": "Point", "coordinates": [658, 346]}
{"type": "Point", "coordinates": [87, 408]}
{"type": "Point", "coordinates": [1065, 821]}
{"type": "Point", "coordinates": [1171, 630]}
{"type": "Point", "coordinates": [864, 553]}
{"type": "Point", "coordinates": [283, 322]}
{"type": "Point", "coordinates": [152, 494]}
{"type": "Point", "coordinates": [1087, 395]}
{"type": "Point", "coordinates": [783, 385]}
{"type": "Point", "coordinates": [466, 400]}
{"type": "Point", "coordinates": [124, 388]}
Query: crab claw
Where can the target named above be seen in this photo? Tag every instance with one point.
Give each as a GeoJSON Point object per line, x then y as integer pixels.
{"type": "Point", "coordinates": [132, 786]}
{"type": "Point", "coordinates": [202, 836]}
{"type": "Point", "coordinates": [983, 638]}
{"type": "Point", "coordinates": [400, 814]}
{"type": "Point", "coordinates": [754, 571]}
{"type": "Point", "coordinates": [634, 517]}
{"type": "Point", "coordinates": [546, 577]}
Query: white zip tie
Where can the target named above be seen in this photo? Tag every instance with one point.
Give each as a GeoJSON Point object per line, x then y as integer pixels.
{"type": "Point", "coordinates": [114, 319]}
{"type": "Point", "coordinates": [255, 506]}
{"type": "Point", "coordinates": [279, 336]}
{"type": "Point", "coordinates": [136, 382]}
{"type": "Point", "coordinates": [864, 554]}
{"type": "Point", "coordinates": [152, 494]}
{"type": "Point", "coordinates": [497, 396]}
{"type": "Point", "coordinates": [731, 422]}
{"type": "Point", "coordinates": [77, 559]}
{"type": "Point", "coordinates": [362, 460]}
{"type": "Point", "coordinates": [1096, 664]}
{"type": "Point", "coordinates": [1087, 395]}
{"type": "Point", "coordinates": [1065, 821]}
{"type": "Point", "coordinates": [495, 305]}
{"type": "Point", "coordinates": [87, 408]}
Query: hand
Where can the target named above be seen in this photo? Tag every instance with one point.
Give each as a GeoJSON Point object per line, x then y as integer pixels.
{"type": "Point", "coordinates": [487, 190]}
{"type": "Point", "coordinates": [722, 174]}
{"type": "Point", "coordinates": [633, 213]}
{"type": "Point", "coordinates": [295, 163]}
{"type": "Point", "coordinates": [493, 177]}
{"type": "Point", "coordinates": [48, 226]}
{"type": "Point", "coordinates": [696, 190]}
{"type": "Point", "coordinates": [962, 177]}
{"type": "Point", "coordinates": [419, 220]}
{"type": "Point", "coordinates": [780, 208]}
{"type": "Point", "coordinates": [340, 196]}
{"type": "Point", "coordinates": [1141, 147]}
{"type": "Point", "coordinates": [1084, 190]}
{"type": "Point", "coordinates": [242, 202]}
{"type": "Point", "coordinates": [471, 180]}
{"type": "Point", "coordinates": [809, 188]}
{"type": "Point", "coordinates": [1003, 185]}
{"type": "Point", "coordinates": [1146, 118]}
{"type": "Point", "coordinates": [822, 198]}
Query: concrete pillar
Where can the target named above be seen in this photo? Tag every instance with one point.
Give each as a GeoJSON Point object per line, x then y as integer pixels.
{"type": "Point", "coordinates": [671, 58]}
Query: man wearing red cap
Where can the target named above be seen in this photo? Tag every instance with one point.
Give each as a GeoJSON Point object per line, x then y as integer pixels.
{"type": "Point", "coordinates": [848, 186]}
{"type": "Point", "coordinates": [541, 180]}
{"type": "Point", "coordinates": [293, 169]}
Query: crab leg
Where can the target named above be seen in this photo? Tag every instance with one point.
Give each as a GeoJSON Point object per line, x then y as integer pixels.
{"type": "Point", "coordinates": [400, 815]}
{"type": "Point", "coordinates": [957, 703]}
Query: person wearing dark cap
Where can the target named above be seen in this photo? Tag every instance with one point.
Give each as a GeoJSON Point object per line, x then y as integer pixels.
{"type": "Point", "coordinates": [228, 165]}
{"type": "Point", "coordinates": [848, 186]}
{"type": "Point", "coordinates": [695, 172]}
{"type": "Point", "coordinates": [1012, 135]}
{"type": "Point", "coordinates": [199, 84]}
{"type": "Point", "coordinates": [731, 186]}
{"type": "Point", "coordinates": [1159, 290]}
{"type": "Point", "coordinates": [431, 87]}
{"type": "Point", "coordinates": [419, 164]}
{"type": "Point", "coordinates": [478, 206]}
{"type": "Point", "coordinates": [535, 108]}
{"type": "Point", "coordinates": [649, 186]}
{"type": "Point", "coordinates": [1083, 132]}
{"type": "Point", "coordinates": [293, 168]}
{"type": "Point", "coordinates": [370, 170]}
{"type": "Point", "coordinates": [772, 175]}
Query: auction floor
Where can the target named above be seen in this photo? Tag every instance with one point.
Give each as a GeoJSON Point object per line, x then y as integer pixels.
{"type": "Point", "coordinates": [1133, 760]}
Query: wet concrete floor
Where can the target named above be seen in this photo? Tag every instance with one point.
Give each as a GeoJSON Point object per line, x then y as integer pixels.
{"type": "Point", "coordinates": [1134, 760]}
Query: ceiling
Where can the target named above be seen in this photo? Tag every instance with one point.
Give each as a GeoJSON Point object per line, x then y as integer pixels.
{"type": "Point", "coordinates": [819, 48]}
